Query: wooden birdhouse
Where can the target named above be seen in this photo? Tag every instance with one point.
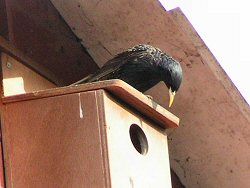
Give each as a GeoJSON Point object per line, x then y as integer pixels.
{"type": "Point", "coordinates": [104, 134]}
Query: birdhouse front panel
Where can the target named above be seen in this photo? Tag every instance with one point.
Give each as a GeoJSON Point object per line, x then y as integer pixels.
{"type": "Point", "coordinates": [137, 148]}
{"type": "Point", "coordinates": [53, 142]}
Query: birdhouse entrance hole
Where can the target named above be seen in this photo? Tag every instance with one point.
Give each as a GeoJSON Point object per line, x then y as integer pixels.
{"type": "Point", "coordinates": [138, 139]}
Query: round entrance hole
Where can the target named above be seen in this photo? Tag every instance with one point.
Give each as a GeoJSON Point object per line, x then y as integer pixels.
{"type": "Point", "coordinates": [138, 139]}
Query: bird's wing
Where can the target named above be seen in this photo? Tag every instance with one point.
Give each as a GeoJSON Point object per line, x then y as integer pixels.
{"type": "Point", "coordinates": [112, 66]}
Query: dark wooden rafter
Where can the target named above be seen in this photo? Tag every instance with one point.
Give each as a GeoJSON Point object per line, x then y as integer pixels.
{"type": "Point", "coordinates": [38, 37]}
{"type": "Point", "coordinates": [3, 20]}
{"type": "Point", "coordinates": [8, 48]}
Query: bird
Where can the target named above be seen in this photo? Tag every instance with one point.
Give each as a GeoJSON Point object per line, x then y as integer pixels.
{"type": "Point", "coordinates": [142, 67]}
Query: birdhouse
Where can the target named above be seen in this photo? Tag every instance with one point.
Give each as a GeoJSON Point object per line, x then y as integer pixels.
{"type": "Point", "coordinates": [103, 134]}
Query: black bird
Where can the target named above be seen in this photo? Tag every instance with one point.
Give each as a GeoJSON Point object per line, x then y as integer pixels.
{"type": "Point", "coordinates": [141, 66]}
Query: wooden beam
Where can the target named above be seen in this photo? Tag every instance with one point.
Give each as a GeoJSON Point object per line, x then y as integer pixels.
{"type": "Point", "coordinates": [18, 78]}
{"type": "Point", "coordinates": [3, 20]}
{"type": "Point", "coordinates": [8, 48]}
{"type": "Point", "coordinates": [39, 31]}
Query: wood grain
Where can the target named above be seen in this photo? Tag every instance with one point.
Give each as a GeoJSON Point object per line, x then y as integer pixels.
{"type": "Point", "coordinates": [49, 143]}
{"type": "Point", "coordinates": [38, 30]}
{"type": "Point", "coordinates": [2, 177]}
{"type": "Point", "coordinates": [3, 20]}
{"type": "Point", "coordinates": [117, 87]}
{"type": "Point", "coordinates": [10, 49]}
{"type": "Point", "coordinates": [13, 72]}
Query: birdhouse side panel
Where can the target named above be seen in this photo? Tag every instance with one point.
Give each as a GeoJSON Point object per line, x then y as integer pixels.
{"type": "Point", "coordinates": [137, 149]}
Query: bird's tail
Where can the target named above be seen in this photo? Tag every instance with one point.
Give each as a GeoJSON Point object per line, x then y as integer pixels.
{"type": "Point", "coordinates": [84, 80]}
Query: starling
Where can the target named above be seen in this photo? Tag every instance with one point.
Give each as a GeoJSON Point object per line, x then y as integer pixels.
{"type": "Point", "coordinates": [142, 67]}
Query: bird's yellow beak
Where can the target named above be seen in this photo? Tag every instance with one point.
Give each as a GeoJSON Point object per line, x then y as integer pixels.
{"type": "Point", "coordinates": [171, 97]}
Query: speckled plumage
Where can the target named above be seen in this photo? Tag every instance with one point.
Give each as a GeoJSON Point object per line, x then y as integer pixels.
{"type": "Point", "coordinates": [141, 66]}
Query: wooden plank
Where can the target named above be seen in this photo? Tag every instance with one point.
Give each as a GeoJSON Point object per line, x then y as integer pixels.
{"type": "Point", "coordinates": [8, 48]}
{"type": "Point", "coordinates": [117, 87]}
{"type": "Point", "coordinates": [103, 136]}
{"type": "Point", "coordinates": [110, 27]}
{"type": "Point", "coordinates": [37, 29]}
{"type": "Point", "coordinates": [51, 143]}
{"type": "Point", "coordinates": [2, 180]}
{"type": "Point", "coordinates": [19, 79]}
{"type": "Point", "coordinates": [146, 169]}
{"type": "Point", "coordinates": [3, 20]}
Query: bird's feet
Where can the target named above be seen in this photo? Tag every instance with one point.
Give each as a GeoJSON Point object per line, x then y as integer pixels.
{"type": "Point", "coordinates": [150, 97]}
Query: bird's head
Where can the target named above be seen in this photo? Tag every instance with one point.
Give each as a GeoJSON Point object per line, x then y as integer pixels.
{"type": "Point", "coordinates": [171, 73]}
